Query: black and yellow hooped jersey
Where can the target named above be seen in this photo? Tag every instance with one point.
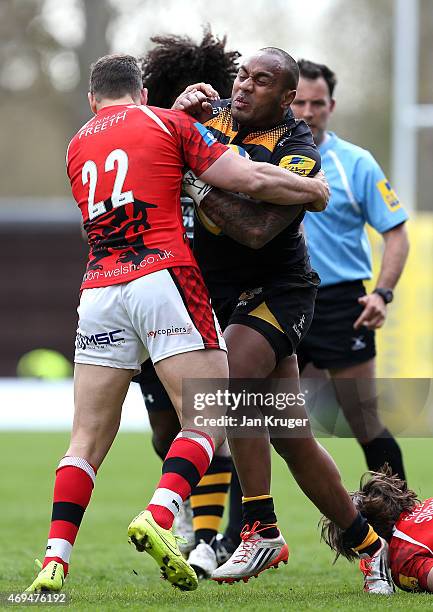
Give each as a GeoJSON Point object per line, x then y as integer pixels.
{"type": "Point", "coordinates": [228, 266]}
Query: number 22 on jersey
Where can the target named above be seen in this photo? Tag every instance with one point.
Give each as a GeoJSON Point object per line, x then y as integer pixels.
{"type": "Point", "coordinates": [89, 174]}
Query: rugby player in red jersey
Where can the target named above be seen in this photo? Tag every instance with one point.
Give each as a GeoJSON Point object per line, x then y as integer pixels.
{"type": "Point", "coordinates": [400, 518]}
{"type": "Point", "coordinates": [173, 63]}
{"type": "Point", "coordinates": [143, 295]}
{"type": "Point", "coordinates": [256, 266]}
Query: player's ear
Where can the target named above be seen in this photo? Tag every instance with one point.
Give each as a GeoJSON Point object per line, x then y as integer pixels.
{"type": "Point", "coordinates": [92, 102]}
{"type": "Point", "coordinates": [288, 98]}
{"type": "Point", "coordinates": [143, 96]}
{"type": "Point", "coordinates": [332, 105]}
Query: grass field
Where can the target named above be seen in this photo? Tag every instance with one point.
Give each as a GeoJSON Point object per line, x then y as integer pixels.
{"type": "Point", "coordinates": [102, 571]}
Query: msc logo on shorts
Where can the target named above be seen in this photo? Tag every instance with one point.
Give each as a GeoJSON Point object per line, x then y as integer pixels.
{"type": "Point", "coordinates": [297, 163]}
{"type": "Point", "coordinates": [170, 331]}
{"type": "Point", "coordinates": [388, 195]}
{"type": "Point", "coordinates": [99, 341]}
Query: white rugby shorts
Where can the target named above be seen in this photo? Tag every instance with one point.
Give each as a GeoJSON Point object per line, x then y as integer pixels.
{"type": "Point", "coordinates": [158, 315]}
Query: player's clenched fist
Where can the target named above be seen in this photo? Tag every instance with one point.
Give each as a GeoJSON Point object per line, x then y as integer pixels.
{"type": "Point", "coordinates": [195, 100]}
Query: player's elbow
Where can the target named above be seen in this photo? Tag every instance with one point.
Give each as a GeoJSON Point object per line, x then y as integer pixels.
{"type": "Point", "coordinates": [405, 239]}
{"type": "Point", "coordinates": [256, 238]}
{"type": "Point", "coordinates": [405, 246]}
{"type": "Point", "coordinates": [399, 237]}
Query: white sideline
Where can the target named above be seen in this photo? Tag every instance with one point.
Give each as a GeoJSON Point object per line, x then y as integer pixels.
{"type": "Point", "coordinates": [28, 404]}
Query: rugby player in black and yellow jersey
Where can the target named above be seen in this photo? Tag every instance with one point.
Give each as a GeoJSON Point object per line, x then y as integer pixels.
{"type": "Point", "coordinates": [255, 263]}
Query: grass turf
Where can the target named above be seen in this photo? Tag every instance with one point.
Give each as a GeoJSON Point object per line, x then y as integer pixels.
{"type": "Point", "coordinates": [102, 574]}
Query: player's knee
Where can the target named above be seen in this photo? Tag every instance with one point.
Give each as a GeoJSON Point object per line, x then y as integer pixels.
{"type": "Point", "coordinates": [92, 440]}
{"type": "Point", "coordinates": [223, 450]}
{"type": "Point", "coordinates": [282, 447]}
{"type": "Point", "coordinates": [293, 450]}
{"type": "Point", "coordinates": [217, 434]}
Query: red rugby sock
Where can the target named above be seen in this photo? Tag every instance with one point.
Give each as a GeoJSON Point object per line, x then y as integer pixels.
{"type": "Point", "coordinates": [186, 462]}
{"type": "Point", "coordinates": [75, 479]}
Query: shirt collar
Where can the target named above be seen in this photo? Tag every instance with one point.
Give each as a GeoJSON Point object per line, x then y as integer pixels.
{"type": "Point", "coordinates": [329, 143]}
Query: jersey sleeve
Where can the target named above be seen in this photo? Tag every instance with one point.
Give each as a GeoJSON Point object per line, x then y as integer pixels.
{"type": "Point", "coordinates": [297, 153]}
{"type": "Point", "coordinates": [374, 193]}
{"type": "Point", "coordinates": [199, 147]}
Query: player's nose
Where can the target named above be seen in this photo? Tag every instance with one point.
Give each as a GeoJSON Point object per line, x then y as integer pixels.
{"type": "Point", "coordinates": [307, 112]}
{"type": "Point", "coordinates": [246, 85]}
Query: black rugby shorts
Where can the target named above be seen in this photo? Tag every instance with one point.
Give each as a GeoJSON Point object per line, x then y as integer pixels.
{"type": "Point", "coordinates": [282, 314]}
{"type": "Point", "coordinates": [331, 342]}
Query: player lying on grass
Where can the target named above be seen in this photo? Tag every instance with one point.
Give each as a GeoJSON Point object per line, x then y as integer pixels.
{"type": "Point", "coordinates": [402, 520]}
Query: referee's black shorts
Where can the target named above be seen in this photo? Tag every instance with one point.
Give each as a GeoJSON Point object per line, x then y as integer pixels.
{"type": "Point", "coordinates": [331, 342]}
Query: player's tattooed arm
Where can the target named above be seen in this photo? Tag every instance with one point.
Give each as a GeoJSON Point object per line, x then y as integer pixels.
{"type": "Point", "coordinates": [249, 222]}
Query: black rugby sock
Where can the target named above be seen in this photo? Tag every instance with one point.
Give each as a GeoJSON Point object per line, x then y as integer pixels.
{"type": "Point", "coordinates": [208, 499]}
{"type": "Point", "coordinates": [384, 449]}
{"type": "Point", "coordinates": [234, 526]}
{"type": "Point", "coordinates": [261, 509]}
{"type": "Point", "coordinates": [361, 537]}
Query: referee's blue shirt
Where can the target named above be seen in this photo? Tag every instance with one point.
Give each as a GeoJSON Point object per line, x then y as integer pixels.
{"type": "Point", "coordinates": [360, 193]}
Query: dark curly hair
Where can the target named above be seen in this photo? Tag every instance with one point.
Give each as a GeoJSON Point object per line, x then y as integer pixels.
{"type": "Point", "coordinates": [177, 61]}
{"type": "Point", "coordinates": [381, 498]}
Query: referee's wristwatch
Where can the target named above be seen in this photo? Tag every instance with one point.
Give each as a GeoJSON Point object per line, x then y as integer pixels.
{"type": "Point", "coordinates": [387, 295]}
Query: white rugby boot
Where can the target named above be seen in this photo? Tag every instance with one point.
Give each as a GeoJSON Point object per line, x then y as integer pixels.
{"type": "Point", "coordinates": [254, 555]}
{"type": "Point", "coordinates": [377, 575]}
{"type": "Point", "coordinates": [182, 527]}
{"type": "Point", "coordinates": [203, 560]}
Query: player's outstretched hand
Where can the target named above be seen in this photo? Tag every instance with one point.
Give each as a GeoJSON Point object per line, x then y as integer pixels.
{"type": "Point", "coordinates": [374, 314]}
{"type": "Point", "coordinates": [195, 100]}
{"type": "Point", "coordinates": [322, 202]}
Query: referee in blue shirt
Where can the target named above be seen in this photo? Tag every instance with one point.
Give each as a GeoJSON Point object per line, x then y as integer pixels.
{"type": "Point", "coordinates": [341, 336]}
